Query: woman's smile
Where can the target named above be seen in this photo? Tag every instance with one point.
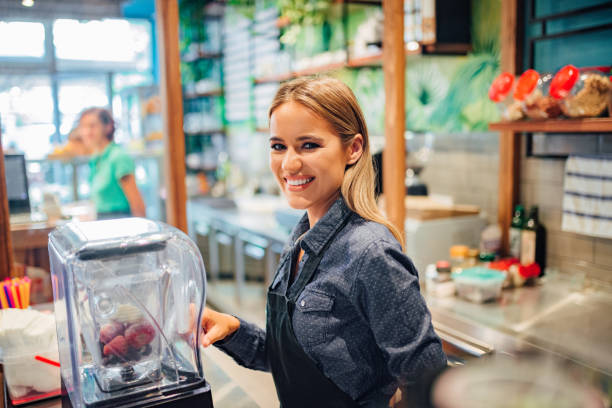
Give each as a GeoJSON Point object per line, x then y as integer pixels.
{"type": "Point", "coordinates": [298, 183]}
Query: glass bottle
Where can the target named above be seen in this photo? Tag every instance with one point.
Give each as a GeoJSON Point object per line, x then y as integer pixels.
{"type": "Point", "coordinates": [514, 235]}
{"type": "Point", "coordinates": [533, 241]}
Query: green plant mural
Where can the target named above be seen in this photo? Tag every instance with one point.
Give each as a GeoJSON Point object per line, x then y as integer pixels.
{"type": "Point", "coordinates": [450, 93]}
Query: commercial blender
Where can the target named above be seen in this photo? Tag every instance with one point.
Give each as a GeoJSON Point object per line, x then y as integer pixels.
{"type": "Point", "coordinates": [128, 295]}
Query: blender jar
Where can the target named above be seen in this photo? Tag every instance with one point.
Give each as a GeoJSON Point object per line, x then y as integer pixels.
{"type": "Point", "coordinates": [127, 295]}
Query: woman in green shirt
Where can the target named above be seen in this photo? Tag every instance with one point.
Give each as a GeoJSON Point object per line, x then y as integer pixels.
{"type": "Point", "coordinates": [113, 185]}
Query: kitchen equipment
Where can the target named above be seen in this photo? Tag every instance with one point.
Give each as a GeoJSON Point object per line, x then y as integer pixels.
{"type": "Point", "coordinates": [419, 147]}
{"type": "Point", "coordinates": [428, 240]}
{"type": "Point", "coordinates": [127, 295]}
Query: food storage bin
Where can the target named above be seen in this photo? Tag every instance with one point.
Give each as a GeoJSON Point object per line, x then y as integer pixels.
{"type": "Point", "coordinates": [532, 90]}
{"type": "Point", "coordinates": [500, 92]}
{"type": "Point", "coordinates": [479, 284]}
{"type": "Point", "coordinates": [582, 93]}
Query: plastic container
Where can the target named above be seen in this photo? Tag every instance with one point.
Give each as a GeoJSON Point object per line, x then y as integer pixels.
{"type": "Point", "coordinates": [25, 334]}
{"type": "Point", "coordinates": [500, 92]}
{"type": "Point", "coordinates": [582, 93]}
{"type": "Point", "coordinates": [438, 281]}
{"type": "Point", "coordinates": [479, 284]}
{"type": "Point", "coordinates": [28, 379]}
{"type": "Point", "coordinates": [532, 91]}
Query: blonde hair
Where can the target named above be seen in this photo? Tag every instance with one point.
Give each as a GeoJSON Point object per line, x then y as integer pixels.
{"type": "Point", "coordinates": [334, 101]}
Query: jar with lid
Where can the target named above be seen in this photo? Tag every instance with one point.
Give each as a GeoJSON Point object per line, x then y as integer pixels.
{"type": "Point", "coordinates": [443, 269]}
{"type": "Point", "coordinates": [581, 93]}
{"type": "Point", "coordinates": [472, 257]}
{"type": "Point", "coordinates": [532, 90]}
{"type": "Point", "coordinates": [500, 92]}
{"type": "Point", "coordinates": [458, 255]}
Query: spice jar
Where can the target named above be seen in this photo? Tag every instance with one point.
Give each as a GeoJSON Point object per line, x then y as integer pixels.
{"type": "Point", "coordinates": [458, 255]}
{"type": "Point", "coordinates": [472, 257]}
{"type": "Point", "coordinates": [532, 90]}
{"type": "Point", "coordinates": [581, 94]}
{"type": "Point", "coordinates": [500, 93]}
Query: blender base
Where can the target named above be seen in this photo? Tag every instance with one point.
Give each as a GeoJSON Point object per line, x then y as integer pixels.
{"type": "Point", "coordinates": [417, 190]}
{"type": "Point", "coordinates": [200, 397]}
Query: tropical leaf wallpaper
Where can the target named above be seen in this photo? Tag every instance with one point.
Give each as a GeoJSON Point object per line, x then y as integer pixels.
{"type": "Point", "coordinates": [443, 93]}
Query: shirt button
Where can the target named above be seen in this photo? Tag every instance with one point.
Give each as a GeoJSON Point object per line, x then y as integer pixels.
{"type": "Point", "coordinates": [303, 303]}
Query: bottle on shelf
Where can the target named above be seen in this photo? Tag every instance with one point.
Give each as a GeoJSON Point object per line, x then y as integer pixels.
{"type": "Point", "coordinates": [533, 241]}
{"type": "Point", "coordinates": [514, 235]}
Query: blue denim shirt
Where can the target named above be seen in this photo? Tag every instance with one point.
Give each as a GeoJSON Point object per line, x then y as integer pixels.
{"type": "Point", "coordinates": [361, 318]}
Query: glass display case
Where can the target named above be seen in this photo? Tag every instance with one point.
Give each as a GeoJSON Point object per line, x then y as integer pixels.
{"type": "Point", "coordinates": [68, 180]}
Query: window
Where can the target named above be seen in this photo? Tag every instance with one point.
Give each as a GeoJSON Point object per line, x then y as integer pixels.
{"type": "Point", "coordinates": [26, 114]}
{"type": "Point", "coordinates": [27, 39]}
{"type": "Point", "coordinates": [79, 93]}
{"type": "Point", "coordinates": [41, 97]}
{"type": "Point", "coordinates": [113, 44]}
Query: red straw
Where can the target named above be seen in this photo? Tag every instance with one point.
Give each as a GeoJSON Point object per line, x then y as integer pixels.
{"type": "Point", "coordinates": [46, 360]}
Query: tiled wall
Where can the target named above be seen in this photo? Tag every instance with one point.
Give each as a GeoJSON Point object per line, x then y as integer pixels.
{"type": "Point", "coordinates": [542, 184]}
{"type": "Point", "coordinates": [465, 166]}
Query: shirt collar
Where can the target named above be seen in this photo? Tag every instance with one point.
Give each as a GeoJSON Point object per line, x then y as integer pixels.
{"type": "Point", "coordinates": [317, 237]}
{"type": "Point", "coordinates": [104, 153]}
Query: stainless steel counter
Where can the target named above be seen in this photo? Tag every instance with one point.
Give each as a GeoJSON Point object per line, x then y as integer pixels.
{"type": "Point", "coordinates": [558, 316]}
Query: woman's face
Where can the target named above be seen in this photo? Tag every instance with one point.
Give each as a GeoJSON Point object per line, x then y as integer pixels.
{"type": "Point", "coordinates": [92, 132]}
{"type": "Point", "coordinates": [307, 157]}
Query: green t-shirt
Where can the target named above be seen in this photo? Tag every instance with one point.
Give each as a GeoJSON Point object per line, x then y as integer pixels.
{"type": "Point", "coordinates": [106, 170]}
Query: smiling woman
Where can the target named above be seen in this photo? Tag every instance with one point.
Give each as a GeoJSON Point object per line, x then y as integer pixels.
{"type": "Point", "coordinates": [345, 321]}
{"type": "Point", "coordinates": [308, 159]}
{"type": "Point", "coordinates": [326, 108]}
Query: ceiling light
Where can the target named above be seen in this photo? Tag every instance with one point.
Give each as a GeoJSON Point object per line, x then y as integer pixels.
{"type": "Point", "coordinates": [27, 3]}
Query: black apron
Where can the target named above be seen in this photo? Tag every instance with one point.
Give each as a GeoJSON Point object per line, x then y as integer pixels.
{"type": "Point", "coordinates": [299, 382]}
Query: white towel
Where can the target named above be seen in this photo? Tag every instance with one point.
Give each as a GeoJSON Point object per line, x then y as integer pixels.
{"type": "Point", "coordinates": [587, 198]}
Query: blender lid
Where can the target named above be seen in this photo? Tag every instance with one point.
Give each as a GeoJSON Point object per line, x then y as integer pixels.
{"type": "Point", "coordinates": [109, 238]}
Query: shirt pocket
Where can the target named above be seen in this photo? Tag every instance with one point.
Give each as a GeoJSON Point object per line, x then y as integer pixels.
{"type": "Point", "coordinates": [312, 317]}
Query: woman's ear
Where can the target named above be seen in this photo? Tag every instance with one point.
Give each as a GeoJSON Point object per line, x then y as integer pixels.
{"type": "Point", "coordinates": [355, 149]}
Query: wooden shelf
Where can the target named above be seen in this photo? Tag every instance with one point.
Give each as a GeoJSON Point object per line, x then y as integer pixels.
{"type": "Point", "coordinates": [217, 92]}
{"type": "Point", "coordinates": [203, 56]}
{"type": "Point", "coordinates": [594, 125]}
{"type": "Point", "coordinates": [371, 60]}
{"type": "Point", "coordinates": [205, 132]}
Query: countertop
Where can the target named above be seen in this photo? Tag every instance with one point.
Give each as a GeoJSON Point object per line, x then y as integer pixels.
{"type": "Point", "coordinates": [561, 314]}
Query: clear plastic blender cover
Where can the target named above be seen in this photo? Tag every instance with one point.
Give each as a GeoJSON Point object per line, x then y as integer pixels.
{"type": "Point", "coordinates": [127, 295]}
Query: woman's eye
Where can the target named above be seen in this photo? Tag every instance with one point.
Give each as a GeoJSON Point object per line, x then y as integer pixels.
{"type": "Point", "coordinates": [310, 146]}
{"type": "Point", "coordinates": [277, 146]}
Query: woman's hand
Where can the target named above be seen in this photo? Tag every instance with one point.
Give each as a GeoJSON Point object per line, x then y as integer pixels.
{"type": "Point", "coordinates": [217, 326]}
